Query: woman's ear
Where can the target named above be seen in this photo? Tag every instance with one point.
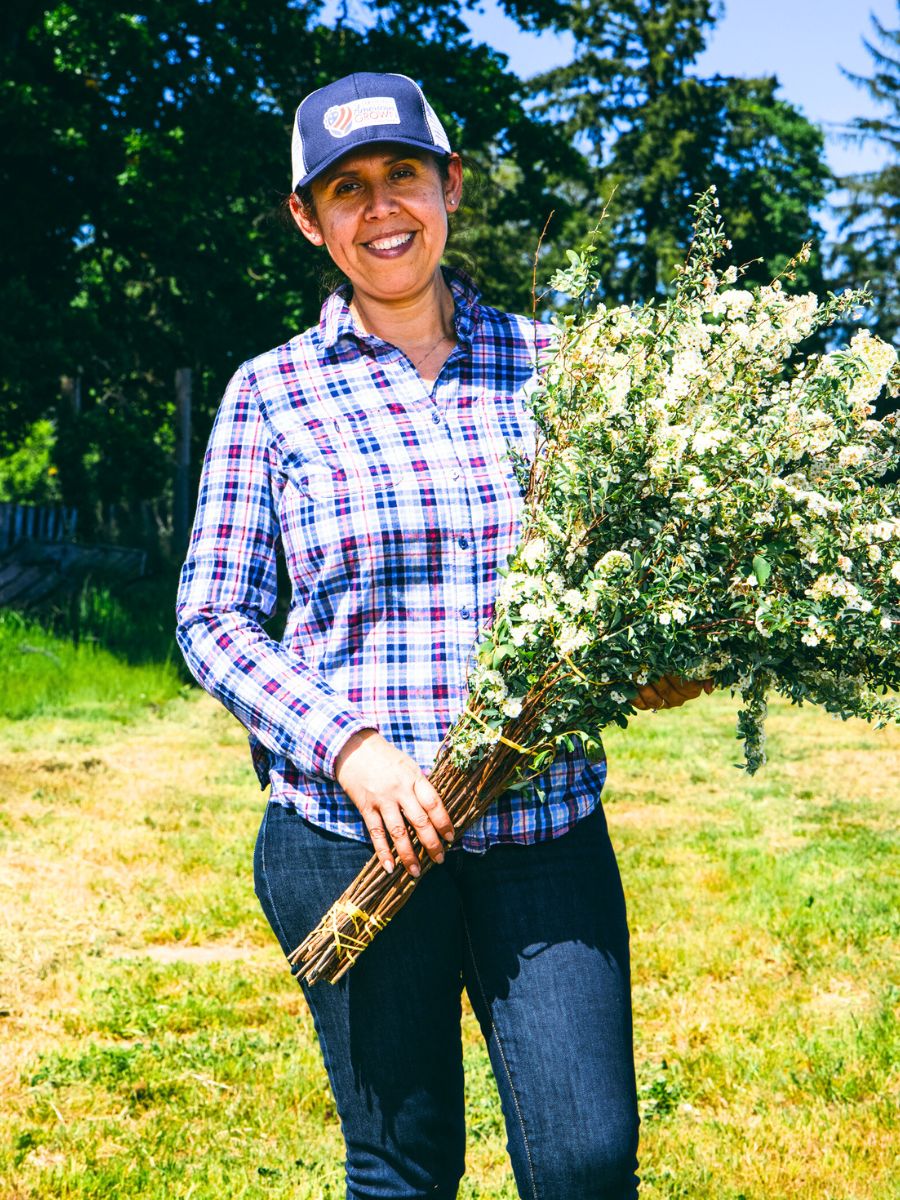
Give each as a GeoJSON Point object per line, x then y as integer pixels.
{"type": "Point", "coordinates": [453, 183]}
{"type": "Point", "coordinates": [306, 221]}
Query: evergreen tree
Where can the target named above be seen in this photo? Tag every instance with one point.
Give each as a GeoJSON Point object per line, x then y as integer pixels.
{"type": "Point", "coordinates": [869, 218]}
{"type": "Point", "coordinates": [658, 135]}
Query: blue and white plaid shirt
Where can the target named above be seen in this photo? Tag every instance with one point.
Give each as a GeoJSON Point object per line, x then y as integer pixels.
{"type": "Point", "coordinates": [394, 507]}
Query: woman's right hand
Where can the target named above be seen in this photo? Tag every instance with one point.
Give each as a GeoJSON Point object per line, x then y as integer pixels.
{"type": "Point", "coordinates": [391, 790]}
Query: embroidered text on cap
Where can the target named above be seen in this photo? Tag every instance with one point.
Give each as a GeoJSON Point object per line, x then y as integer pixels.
{"type": "Point", "coordinates": [342, 119]}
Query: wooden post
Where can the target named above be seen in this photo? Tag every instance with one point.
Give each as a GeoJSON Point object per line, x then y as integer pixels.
{"type": "Point", "coordinates": [181, 513]}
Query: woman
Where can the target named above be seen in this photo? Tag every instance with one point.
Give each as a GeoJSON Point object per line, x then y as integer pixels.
{"type": "Point", "coordinates": [373, 447]}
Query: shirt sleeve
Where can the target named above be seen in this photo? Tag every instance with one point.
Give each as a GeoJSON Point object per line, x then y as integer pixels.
{"type": "Point", "coordinates": [228, 586]}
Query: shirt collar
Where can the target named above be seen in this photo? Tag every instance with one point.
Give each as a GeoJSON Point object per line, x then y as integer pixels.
{"type": "Point", "coordinates": [336, 321]}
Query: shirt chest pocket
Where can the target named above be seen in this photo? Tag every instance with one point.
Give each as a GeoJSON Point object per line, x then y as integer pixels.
{"type": "Point", "coordinates": [350, 456]}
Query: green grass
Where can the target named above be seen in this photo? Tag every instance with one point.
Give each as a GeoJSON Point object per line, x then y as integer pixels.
{"type": "Point", "coordinates": [42, 672]}
{"type": "Point", "coordinates": [155, 1045]}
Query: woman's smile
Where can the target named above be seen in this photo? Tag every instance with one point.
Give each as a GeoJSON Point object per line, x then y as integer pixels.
{"type": "Point", "coordinates": [390, 246]}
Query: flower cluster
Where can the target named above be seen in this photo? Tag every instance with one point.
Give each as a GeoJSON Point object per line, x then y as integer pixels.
{"type": "Point", "coordinates": [706, 500]}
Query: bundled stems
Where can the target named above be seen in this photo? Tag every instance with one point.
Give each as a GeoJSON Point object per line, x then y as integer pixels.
{"type": "Point", "coordinates": [375, 895]}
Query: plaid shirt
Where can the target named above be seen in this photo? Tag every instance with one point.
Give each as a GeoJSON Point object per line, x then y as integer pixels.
{"type": "Point", "coordinates": [394, 508]}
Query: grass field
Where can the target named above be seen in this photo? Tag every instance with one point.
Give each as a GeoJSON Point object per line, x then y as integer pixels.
{"type": "Point", "coordinates": [154, 1044]}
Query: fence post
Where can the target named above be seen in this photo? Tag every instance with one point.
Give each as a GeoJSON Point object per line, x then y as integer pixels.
{"type": "Point", "coordinates": [180, 513]}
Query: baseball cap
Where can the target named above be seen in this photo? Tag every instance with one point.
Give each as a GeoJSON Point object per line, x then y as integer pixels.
{"type": "Point", "coordinates": [365, 107]}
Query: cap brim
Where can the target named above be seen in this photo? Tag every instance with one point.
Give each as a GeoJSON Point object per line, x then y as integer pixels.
{"type": "Point", "coordinates": [340, 151]}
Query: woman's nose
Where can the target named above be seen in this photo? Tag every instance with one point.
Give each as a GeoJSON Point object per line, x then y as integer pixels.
{"type": "Point", "coordinates": [381, 201]}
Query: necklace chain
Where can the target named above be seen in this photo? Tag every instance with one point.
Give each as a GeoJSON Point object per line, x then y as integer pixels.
{"type": "Point", "coordinates": [419, 361]}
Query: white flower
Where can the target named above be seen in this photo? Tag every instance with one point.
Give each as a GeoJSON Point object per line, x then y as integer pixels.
{"type": "Point", "coordinates": [521, 633]}
{"type": "Point", "coordinates": [531, 612]}
{"type": "Point", "coordinates": [737, 301]}
{"type": "Point", "coordinates": [574, 601]}
{"type": "Point", "coordinates": [533, 553]}
{"type": "Point", "coordinates": [845, 564]}
{"type": "Point", "coordinates": [571, 638]}
{"type": "Point", "coordinates": [895, 571]}
{"type": "Point", "coordinates": [613, 560]}
{"type": "Point", "coordinates": [511, 706]}
{"type": "Point", "coordinates": [884, 531]}
{"type": "Point", "coordinates": [886, 623]}
{"type": "Point", "coordinates": [852, 456]}
{"type": "Point", "coordinates": [709, 439]}
{"type": "Point", "coordinates": [759, 621]}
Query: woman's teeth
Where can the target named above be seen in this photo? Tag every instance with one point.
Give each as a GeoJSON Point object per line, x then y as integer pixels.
{"type": "Point", "coordinates": [391, 242]}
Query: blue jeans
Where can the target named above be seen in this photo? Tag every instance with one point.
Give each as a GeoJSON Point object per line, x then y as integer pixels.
{"type": "Point", "coordinates": [538, 937]}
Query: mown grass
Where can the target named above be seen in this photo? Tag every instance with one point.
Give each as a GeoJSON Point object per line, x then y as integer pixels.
{"type": "Point", "coordinates": [155, 1045]}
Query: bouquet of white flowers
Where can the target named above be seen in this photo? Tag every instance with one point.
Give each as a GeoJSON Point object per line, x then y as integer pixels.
{"type": "Point", "coordinates": [704, 501]}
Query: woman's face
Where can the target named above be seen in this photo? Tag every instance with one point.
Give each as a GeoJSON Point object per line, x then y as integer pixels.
{"type": "Point", "coordinates": [382, 215]}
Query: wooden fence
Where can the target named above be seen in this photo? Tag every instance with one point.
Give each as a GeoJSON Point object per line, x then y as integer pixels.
{"type": "Point", "coordinates": [39, 557]}
{"type": "Point", "coordinates": [36, 523]}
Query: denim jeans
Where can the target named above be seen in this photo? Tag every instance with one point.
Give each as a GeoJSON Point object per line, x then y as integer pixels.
{"type": "Point", "coordinates": [538, 937]}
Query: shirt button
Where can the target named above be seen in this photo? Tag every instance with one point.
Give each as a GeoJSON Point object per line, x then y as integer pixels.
{"type": "Point", "coordinates": [436, 417]}
{"type": "Point", "coordinates": [463, 542]}
{"type": "Point", "coordinates": [465, 613]}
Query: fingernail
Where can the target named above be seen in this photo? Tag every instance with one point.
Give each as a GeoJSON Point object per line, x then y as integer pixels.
{"type": "Point", "coordinates": [388, 866]}
{"type": "Point", "coordinates": [450, 836]}
{"type": "Point", "coordinates": [415, 870]}
{"type": "Point", "coordinates": [439, 857]}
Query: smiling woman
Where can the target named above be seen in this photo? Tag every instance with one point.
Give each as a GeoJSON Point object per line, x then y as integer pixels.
{"type": "Point", "coordinates": [382, 213]}
{"type": "Point", "coordinates": [374, 450]}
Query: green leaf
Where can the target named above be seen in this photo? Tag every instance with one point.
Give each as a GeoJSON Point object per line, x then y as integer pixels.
{"type": "Point", "coordinates": [761, 569]}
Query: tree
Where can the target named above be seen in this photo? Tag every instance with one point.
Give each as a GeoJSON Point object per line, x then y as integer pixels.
{"type": "Point", "coordinates": [869, 218]}
{"type": "Point", "coordinates": [658, 135]}
{"type": "Point", "coordinates": [148, 155]}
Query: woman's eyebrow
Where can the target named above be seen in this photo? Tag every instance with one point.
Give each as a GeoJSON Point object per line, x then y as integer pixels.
{"type": "Point", "coordinates": [354, 172]}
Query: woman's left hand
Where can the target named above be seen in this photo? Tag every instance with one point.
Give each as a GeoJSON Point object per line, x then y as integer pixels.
{"type": "Point", "coordinates": [670, 692]}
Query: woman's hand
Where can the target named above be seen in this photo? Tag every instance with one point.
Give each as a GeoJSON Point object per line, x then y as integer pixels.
{"type": "Point", "coordinates": [671, 692]}
{"type": "Point", "coordinates": [391, 790]}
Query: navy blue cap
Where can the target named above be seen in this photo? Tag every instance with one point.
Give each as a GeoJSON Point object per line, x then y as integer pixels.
{"type": "Point", "coordinates": [358, 109]}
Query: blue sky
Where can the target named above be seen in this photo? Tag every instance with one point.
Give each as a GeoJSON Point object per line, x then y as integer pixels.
{"type": "Point", "coordinates": [801, 41]}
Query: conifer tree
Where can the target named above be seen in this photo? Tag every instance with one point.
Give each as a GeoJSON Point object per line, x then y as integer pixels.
{"type": "Point", "coordinates": [869, 217]}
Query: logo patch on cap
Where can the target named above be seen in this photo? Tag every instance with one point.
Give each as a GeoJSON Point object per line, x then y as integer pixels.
{"type": "Point", "coordinates": [342, 119]}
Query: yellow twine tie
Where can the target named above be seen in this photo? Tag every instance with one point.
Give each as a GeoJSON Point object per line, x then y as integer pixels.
{"type": "Point", "coordinates": [349, 946]}
{"type": "Point", "coordinates": [500, 738]}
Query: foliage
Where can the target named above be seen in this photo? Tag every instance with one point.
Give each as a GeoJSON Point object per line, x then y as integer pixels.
{"type": "Point", "coordinates": [869, 219]}
{"type": "Point", "coordinates": [147, 156]}
{"type": "Point", "coordinates": [659, 135]}
{"type": "Point", "coordinates": [698, 506]}
{"type": "Point", "coordinates": [28, 473]}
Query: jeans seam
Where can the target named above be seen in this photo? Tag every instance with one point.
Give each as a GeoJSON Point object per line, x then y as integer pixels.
{"type": "Point", "coordinates": [265, 876]}
{"type": "Point", "coordinates": [500, 1051]}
